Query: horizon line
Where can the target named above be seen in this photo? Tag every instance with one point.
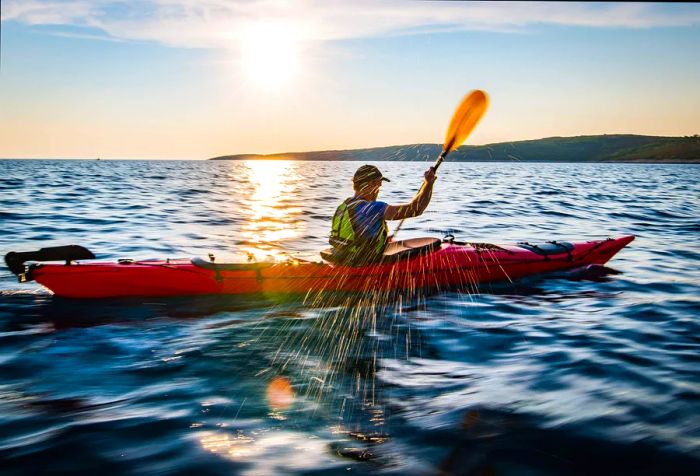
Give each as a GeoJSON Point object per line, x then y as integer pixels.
{"type": "Point", "coordinates": [254, 154]}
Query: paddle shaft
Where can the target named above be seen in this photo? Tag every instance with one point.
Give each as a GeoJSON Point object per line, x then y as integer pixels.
{"type": "Point", "coordinates": [464, 119]}
{"type": "Point", "coordinates": [437, 164]}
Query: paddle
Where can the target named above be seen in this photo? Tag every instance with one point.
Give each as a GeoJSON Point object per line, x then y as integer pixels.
{"type": "Point", "coordinates": [464, 119]}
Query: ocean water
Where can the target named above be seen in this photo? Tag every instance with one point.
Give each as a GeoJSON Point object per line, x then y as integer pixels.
{"type": "Point", "coordinates": [561, 375]}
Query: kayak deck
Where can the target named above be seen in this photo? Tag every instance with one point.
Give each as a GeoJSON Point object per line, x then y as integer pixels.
{"type": "Point", "coordinates": [451, 265]}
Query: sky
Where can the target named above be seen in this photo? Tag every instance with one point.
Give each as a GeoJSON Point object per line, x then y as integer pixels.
{"type": "Point", "coordinates": [194, 79]}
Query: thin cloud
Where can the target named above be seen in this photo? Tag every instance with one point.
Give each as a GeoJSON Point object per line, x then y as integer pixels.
{"type": "Point", "coordinates": [216, 23]}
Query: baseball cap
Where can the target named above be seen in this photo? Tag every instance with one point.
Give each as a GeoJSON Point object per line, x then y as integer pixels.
{"type": "Point", "coordinates": [367, 173]}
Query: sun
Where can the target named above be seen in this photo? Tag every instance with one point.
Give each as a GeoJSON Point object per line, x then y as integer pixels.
{"type": "Point", "coordinates": [270, 54]}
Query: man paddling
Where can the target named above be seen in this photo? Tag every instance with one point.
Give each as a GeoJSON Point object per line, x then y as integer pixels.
{"type": "Point", "coordinates": [359, 233]}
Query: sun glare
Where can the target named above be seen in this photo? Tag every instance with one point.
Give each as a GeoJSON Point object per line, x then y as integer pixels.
{"type": "Point", "coordinates": [270, 55]}
{"type": "Point", "coordinates": [269, 221]}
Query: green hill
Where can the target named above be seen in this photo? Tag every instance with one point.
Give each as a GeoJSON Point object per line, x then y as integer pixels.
{"type": "Point", "coordinates": [603, 148]}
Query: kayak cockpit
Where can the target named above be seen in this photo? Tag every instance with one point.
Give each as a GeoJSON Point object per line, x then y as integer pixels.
{"type": "Point", "coordinates": [395, 251]}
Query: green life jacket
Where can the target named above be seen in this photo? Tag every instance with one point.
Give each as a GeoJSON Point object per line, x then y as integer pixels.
{"type": "Point", "coordinates": [351, 246]}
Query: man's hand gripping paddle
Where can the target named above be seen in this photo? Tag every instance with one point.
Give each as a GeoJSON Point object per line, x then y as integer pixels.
{"type": "Point", "coordinates": [465, 118]}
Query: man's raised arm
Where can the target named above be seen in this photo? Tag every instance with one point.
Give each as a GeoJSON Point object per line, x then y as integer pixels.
{"type": "Point", "coordinates": [418, 204]}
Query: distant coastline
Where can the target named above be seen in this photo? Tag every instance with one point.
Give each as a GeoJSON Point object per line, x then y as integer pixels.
{"type": "Point", "coordinates": [599, 148]}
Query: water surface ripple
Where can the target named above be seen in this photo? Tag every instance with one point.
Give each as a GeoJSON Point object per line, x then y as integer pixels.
{"type": "Point", "coordinates": [567, 375]}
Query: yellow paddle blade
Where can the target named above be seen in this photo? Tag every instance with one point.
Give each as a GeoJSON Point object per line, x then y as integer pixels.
{"type": "Point", "coordinates": [465, 118]}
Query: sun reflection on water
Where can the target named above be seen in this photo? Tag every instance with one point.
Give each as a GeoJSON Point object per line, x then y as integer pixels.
{"type": "Point", "coordinates": [267, 450]}
{"type": "Point", "coordinates": [272, 220]}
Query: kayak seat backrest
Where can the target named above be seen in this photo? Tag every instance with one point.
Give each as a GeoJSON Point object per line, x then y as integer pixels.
{"type": "Point", "coordinates": [15, 260]}
{"type": "Point", "coordinates": [395, 251]}
{"type": "Point", "coordinates": [202, 263]}
{"type": "Point", "coordinates": [548, 248]}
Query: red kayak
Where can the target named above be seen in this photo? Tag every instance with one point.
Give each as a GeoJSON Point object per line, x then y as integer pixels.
{"type": "Point", "coordinates": [416, 264]}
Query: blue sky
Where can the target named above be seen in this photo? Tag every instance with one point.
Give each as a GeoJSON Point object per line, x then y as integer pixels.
{"type": "Point", "coordinates": [195, 79]}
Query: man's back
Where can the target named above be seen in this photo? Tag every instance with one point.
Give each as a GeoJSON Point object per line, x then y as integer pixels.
{"type": "Point", "coordinates": [359, 233]}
